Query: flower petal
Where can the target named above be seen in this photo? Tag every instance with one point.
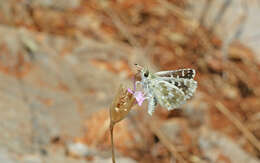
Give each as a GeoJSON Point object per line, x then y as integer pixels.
{"type": "Point", "coordinates": [139, 96]}
{"type": "Point", "coordinates": [130, 91]}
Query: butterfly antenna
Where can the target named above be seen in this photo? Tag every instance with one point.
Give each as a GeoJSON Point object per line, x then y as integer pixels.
{"type": "Point", "coordinates": [139, 68]}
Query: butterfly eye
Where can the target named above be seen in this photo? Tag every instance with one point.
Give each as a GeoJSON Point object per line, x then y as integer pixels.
{"type": "Point", "coordinates": [146, 74]}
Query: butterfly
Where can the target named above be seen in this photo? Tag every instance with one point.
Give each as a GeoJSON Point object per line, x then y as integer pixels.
{"type": "Point", "coordinates": [170, 89]}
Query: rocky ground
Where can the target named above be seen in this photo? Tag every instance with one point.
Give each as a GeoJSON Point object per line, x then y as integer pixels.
{"type": "Point", "coordinates": [62, 61]}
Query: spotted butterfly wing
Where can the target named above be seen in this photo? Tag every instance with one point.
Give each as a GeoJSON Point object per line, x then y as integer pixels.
{"type": "Point", "coordinates": [181, 73]}
{"type": "Point", "coordinates": [167, 94]}
{"type": "Point", "coordinates": [187, 86]}
{"type": "Point", "coordinates": [182, 79]}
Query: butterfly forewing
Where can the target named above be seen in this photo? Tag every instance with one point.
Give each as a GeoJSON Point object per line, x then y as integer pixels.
{"type": "Point", "coordinates": [182, 73]}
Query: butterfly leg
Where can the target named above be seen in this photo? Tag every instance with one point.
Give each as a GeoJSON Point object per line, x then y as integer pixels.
{"type": "Point", "coordinates": [152, 102]}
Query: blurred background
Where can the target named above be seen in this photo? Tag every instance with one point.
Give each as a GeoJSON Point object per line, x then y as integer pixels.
{"type": "Point", "coordinates": [61, 62]}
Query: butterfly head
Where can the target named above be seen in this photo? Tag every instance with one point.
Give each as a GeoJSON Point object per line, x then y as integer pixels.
{"type": "Point", "coordinates": [143, 73]}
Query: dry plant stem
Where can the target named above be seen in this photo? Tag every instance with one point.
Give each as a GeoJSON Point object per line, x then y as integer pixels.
{"type": "Point", "coordinates": [250, 137]}
{"type": "Point", "coordinates": [166, 142]}
{"type": "Point", "coordinates": [33, 120]}
{"type": "Point", "coordinates": [220, 15]}
{"type": "Point", "coordinates": [119, 109]}
{"type": "Point", "coordinates": [112, 142]}
{"type": "Point", "coordinates": [205, 11]}
{"type": "Point", "coordinates": [239, 26]}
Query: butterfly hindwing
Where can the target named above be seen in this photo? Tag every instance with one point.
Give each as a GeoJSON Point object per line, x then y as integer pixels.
{"type": "Point", "coordinates": [167, 94]}
{"type": "Point", "coordinates": [187, 86]}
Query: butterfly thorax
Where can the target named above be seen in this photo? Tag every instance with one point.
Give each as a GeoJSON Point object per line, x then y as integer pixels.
{"type": "Point", "coordinates": [146, 82]}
